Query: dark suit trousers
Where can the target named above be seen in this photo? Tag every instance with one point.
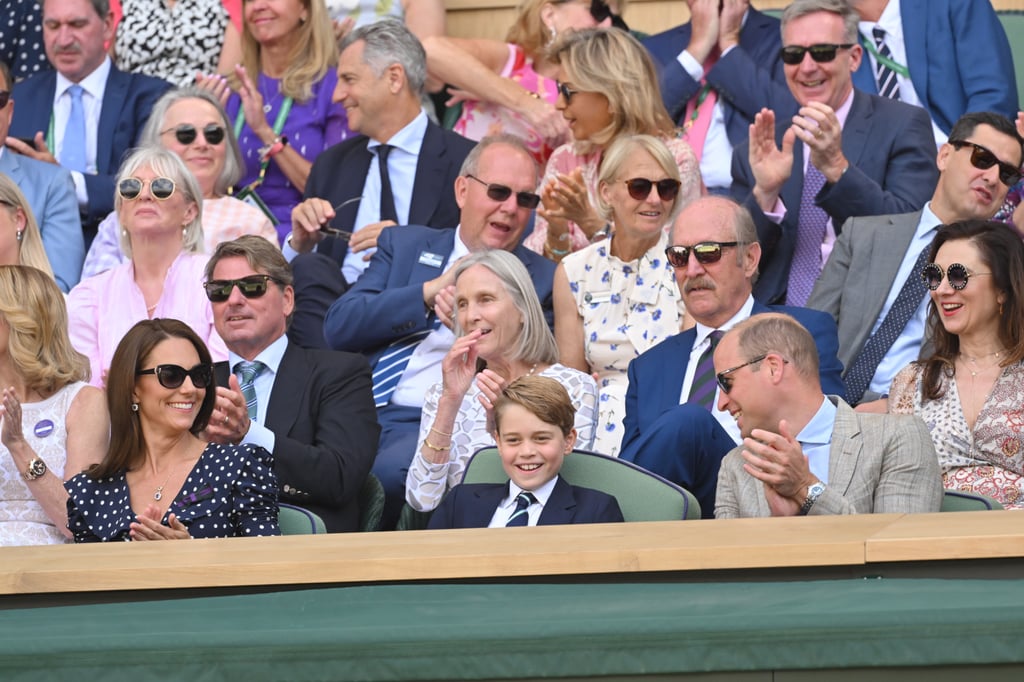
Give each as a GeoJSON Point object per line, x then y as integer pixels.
{"type": "Point", "coordinates": [686, 445]}
{"type": "Point", "coordinates": [400, 431]}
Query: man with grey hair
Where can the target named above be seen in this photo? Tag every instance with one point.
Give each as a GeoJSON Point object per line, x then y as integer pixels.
{"type": "Point", "coordinates": [804, 452]}
{"type": "Point", "coordinates": [400, 169]}
{"type": "Point", "coordinates": [845, 153]}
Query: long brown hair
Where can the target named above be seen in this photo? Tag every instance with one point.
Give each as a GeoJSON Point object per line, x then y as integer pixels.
{"type": "Point", "coordinates": [127, 444]}
{"type": "Point", "coordinates": [1002, 252]}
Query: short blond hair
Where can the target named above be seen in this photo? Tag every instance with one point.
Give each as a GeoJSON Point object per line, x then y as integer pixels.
{"type": "Point", "coordinates": [614, 158]}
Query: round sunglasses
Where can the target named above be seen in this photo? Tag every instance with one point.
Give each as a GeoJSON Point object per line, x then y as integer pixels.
{"type": "Point", "coordinates": [501, 193]}
{"type": "Point", "coordinates": [253, 286]}
{"type": "Point", "coordinates": [957, 275]}
{"type": "Point", "coordinates": [173, 376]}
{"type": "Point", "coordinates": [186, 133]}
{"type": "Point", "coordinates": [821, 53]}
{"type": "Point", "coordinates": [704, 252]}
{"type": "Point", "coordinates": [640, 188]}
{"type": "Point", "coordinates": [131, 188]}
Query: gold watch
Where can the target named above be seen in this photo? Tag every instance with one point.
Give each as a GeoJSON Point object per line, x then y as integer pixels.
{"type": "Point", "coordinates": [36, 469]}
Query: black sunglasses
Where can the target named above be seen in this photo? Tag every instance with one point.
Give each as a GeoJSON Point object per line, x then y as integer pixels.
{"type": "Point", "coordinates": [821, 53]}
{"type": "Point", "coordinates": [640, 188]}
{"type": "Point", "coordinates": [173, 376]}
{"type": "Point", "coordinates": [725, 381]}
{"type": "Point", "coordinates": [160, 188]}
{"type": "Point", "coordinates": [501, 193]}
{"type": "Point", "coordinates": [983, 159]}
{"type": "Point", "coordinates": [600, 10]}
{"type": "Point", "coordinates": [704, 252]}
{"type": "Point", "coordinates": [186, 133]}
{"type": "Point", "coordinates": [958, 275]}
{"type": "Point", "coordinates": [565, 91]}
{"type": "Point", "coordinates": [253, 286]}
{"type": "Point", "coordinates": [5, 97]}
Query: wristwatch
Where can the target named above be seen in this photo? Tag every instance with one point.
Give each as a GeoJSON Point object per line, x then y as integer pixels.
{"type": "Point", "coordinates": [814, 491]}
{"type": "Point", "coordinates": [36, 468]}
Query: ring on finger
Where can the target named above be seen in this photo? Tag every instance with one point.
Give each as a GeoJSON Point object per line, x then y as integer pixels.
{"type": "Point", "coordinates": [818, 134]}
{"type": "Point", "coordinates": [225, 420]}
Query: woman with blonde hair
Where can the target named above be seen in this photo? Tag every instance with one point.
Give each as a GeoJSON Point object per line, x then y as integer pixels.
{"type": "Point", "coordinates": [20, 240]}
{"type": "Point", "coordinates": [282, 107]}
{"type": "Point", "coordinates": [54, 425]}
{"type": "Point", "coordinates": [608, 88]}
{"type": "Point", "coordinates": [618, 297]}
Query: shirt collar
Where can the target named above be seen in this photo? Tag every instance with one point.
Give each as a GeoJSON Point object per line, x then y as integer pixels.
{"type": "Point", "coordinates": [929, 221]}
{"type": "Point", "coordinates": [270, 356]}
{"type": "Point", "coordinates": [703, 331]}
{"type": "Point", "coordinates": [542, 493]}
{"type": "Point", "coordinates": [409, 139]}
{"type": "Point", "coordinates": [818, 431]}
{"type": "Point", "coordinates": [94, 84]}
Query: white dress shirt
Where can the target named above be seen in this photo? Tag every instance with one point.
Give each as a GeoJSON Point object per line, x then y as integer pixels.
{"type": "Point", "coordinates": [94, 86]}
{"type": "Point", "coordinates": [507, 507]}
{"type": "Point", "coordinates": [263, 385]}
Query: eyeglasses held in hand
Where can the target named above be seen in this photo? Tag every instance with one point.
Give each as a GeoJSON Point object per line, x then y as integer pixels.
{"type": "Point", "coordinates": [173, 376]}
{"type": "Point", "coordinates": [501, 193]}
{"type": "Point", "coordinates": [983, 159]}
{"type": "Point", "coordinates": [821, 53]}
{"type": "Point", "coordinates": [704, 252]}
{"type": "Point", "coordinates": [640, 188]}
{"type": "Point", "coordinates": [957, 274]}
{"type": "Point", "coordinates": [253, 286]}
{"type": "Point", "coordinates": [131, 188]}
{"type": "Point", "coordinates": [186, 133]}
{"type": "Point", "coordinates": [725, 381]}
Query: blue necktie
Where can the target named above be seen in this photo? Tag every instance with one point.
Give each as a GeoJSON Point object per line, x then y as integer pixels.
{"type": "Point", "coordinates": [520, 517]}
{"type": "Point", "coordinates": [392, 363]}
{"type": "Point", "coordinates": [810, 233]}
{"type": "Point", "coordinates": [72, 154]}
{"type": "Point", "coordinates": [247, 373]}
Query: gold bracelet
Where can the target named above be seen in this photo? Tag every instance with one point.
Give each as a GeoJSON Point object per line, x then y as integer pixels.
{"type": "Point", "coordinates": [434, 447]}
{"type": "Point", "coordinates": [440, 433]}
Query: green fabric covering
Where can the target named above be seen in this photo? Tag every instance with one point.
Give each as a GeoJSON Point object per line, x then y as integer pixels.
{"type": "Point", "coordinates": [500, 631]}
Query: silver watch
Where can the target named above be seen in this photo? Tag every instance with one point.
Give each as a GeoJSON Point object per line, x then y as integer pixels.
{"type": "Point", "coordinates": [814, 491]}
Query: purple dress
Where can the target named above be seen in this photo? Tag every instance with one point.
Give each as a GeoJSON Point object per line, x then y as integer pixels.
{"type": "Point", "coordinates": [312, 126]}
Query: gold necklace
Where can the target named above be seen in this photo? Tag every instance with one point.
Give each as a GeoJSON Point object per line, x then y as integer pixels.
{"type": "Point", "coordinates": [160, 490]}
{"type": "Point", "coordinates": [974, 361]}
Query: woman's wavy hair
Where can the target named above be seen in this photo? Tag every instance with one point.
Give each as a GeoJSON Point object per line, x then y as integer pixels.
{"type": "Point", "coordinates": [31, 251]}
{"type": "Point", "coordinates": [315, 53]}
{"type": "Point", "coordinates": [614, 64]}
{"type": "Point", "coordinates": [127, 443]}
{"type": "Point", "coordinates": [33, 309]}
{"type": "Point", "coordinates": [1002, 253]}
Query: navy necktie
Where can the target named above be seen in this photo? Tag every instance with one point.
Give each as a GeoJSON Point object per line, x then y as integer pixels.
{"type": "Point", "coordinates": [387, 199]}
{"type": "Point", "coordinates": [520, 517]}
{"type": "Point", "coordinates": [702, 390]}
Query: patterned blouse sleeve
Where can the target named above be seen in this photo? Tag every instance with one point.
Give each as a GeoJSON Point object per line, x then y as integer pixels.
{"type": "Point", "coordinates": [256, 494]}
{"type": "Point", "coordinates": [583, 393]}
{"type": "Point", "coordinates": [425, 483]}
{"type": "Point", "coordinates": [904, 391]}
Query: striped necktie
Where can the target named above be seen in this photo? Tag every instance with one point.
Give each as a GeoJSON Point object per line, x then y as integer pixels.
{"type": "Point", "coordinates": [247, 373]}
{"type": "Point", "coordinates": [885, 77]}
{"type": "Point", "coordinates": [520, 517]}
{"type": "Point", "coordinates": [393, 362]}
{"type": "Point", "coordinates": [702, 390]}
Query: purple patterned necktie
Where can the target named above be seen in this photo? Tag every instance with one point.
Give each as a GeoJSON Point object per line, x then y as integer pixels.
{"type": "Point", "coordinates": [702, 390]}
{"type": "Point", "coordinates": [806, 264]}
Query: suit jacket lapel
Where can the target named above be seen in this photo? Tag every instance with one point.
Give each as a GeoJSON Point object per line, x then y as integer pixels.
{"type": "Point", "coordinates": [915, 17]}
{"type": "Point", "coordinates": [845, 449]}
{"type": "Point", "coordinates": [357, 165]}
{"type": "Point", "coordinates": [887, 251]}
{"type": "Point", "coordinates": [428, 186]}
{"type": "Point", "coordinates": [115, 94]}
{"type": "Point", "coordinates": [440, 244]}
{"type": "Point", "coordinates": [292, 375]}
{"type": "Point", "coordinates": [479, 514]}
{"type": "Point", "coordinates": [857, 127]}
{"type": "Point", "coordinates": [9, 165]}
{"type": "Point", "coordinates": [561, 506]}
{"type": "Point", "coordinates": [675, 369]}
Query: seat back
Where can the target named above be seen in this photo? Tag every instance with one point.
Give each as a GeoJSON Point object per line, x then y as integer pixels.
{"type": "Point", "coordinates": [1013, 24]}
{"type": "Point", "coordinates": [371, 504]}
{"type": "Point", "coordinates": [958, 501]}
{"type": "Point", "coordinates": [642, 496]}
{"type": "Point", "coordinates": [298, 521]}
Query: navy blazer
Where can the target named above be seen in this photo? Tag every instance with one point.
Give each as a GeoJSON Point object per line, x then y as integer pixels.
{"type": "Point", "coordinates": [891, 150]}
{"type": "Point", "coordinates": [747, 78]}
{"type": "Point", "coordinates": [339, 173]}
{"type": "Point", "coordinates": [127, 101]}
{"type": "Point", "coordinates": [656, 376]}
{"type": "Point", "coordinates": [325, 432]}
{"type": "Point", "coordinates": [386, 302]}
{"type": "Point", "coordinates": [471, 505]}
{"type": "Point", "coordinates": [959, 59]}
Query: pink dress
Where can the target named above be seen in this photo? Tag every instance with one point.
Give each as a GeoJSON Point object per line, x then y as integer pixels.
{"type": "Point", "coordinates": [480, 119]}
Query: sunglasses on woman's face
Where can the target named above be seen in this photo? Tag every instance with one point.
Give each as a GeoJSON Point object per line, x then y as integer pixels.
{"type": "Point", "coordinates": [186, 133]}
{"type": "Point", "coordinates": [501, 193]}
{"type": "Point", "coordinates": [705, 253]}
{"type": "Point", "coordinates": [173, 376]}
{"type": "Point", "coordinates": [160, 188]}
{"type": "Point", "coordinates": [983, 159]}
{"type": "Point", "coordinates": [253, 286]}
{"type": "Point", "coordinates": [565, 91]}
{"type": "Point", "coordinates": [640, 188]}
{"type": "Point", "coordinates": [957, 274]}
{"type": "Point", "coordinates": [821, 53]}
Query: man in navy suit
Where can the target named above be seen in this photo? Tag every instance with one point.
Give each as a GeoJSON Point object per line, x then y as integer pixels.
{"type": "Point", "coordinates": [51, 196]}
{"type": "Point", "coordinates": [845, 154]}
{"type": "Point", "coordinates": [727, 58]}
{"type": "Point", "coordinates": [953, 54]}
{"type": "Point", "coordinates": [115, 105]}
{"type": "Point", "coordinates": [409, 288]}
{"type": "Point", "coordinates": [381, 73]}
{"type": "Point", "coordinates": [534, 430]}
{"type": "Point", "coordinates": [673, 426]}
{"type": "Point", "coordinates": [313, 408]}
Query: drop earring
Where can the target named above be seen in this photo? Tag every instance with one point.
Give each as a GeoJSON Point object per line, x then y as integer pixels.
{"type": "Point", "coordinates": [21, 234]}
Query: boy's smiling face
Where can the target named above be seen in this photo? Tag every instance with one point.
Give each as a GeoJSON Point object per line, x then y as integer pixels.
{"type": "Point", "coordinates": [531, 449]}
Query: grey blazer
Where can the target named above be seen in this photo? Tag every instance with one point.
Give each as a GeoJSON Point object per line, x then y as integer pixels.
{"type": "Point", "coordinates": [878, 463]}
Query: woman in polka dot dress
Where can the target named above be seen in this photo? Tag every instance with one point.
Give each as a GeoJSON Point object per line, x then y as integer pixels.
{"type": "Point", "coordinates": [160, 480]}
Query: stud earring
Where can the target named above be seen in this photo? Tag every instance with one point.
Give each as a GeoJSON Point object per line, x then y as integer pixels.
{"type": "Point", "coordinates": [135, 407]}
{"type": "Point", "coordinates": [21, 234]}
{"type": "Point", "coordinates": [1000, 303]}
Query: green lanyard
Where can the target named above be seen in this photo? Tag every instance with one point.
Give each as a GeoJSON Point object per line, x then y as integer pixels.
{"type": "Point", "coordinates": [49, 136]}
{"type": "Point", "coordinates": [696, 109]}
{"type": "Point", "coordinates": [888, 61]}
{"type": "Point", "coordinates": [282, 116]}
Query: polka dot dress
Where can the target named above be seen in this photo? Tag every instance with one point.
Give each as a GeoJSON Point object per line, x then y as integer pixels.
{"type": "Point", "coordinates": [21, 38]}
{"type": "Point", "coordinates": [231, 492]}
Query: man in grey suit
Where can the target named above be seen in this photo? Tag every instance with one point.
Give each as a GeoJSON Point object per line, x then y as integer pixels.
{"type": "Point", "coordinates": [804, 452]}
{"type": "Point", "coordinates": [872, 283]}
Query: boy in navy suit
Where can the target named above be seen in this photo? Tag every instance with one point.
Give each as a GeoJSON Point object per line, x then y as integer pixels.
{"type": "Point", "coordinates": [533, 427]}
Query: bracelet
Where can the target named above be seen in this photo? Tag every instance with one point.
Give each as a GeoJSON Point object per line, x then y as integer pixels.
{"type": "Point", "coordinates": [435, 448]}
{"type": "Point", "coordinates": [564, 237]}
{"type": "Point", "coordinates": [440, 433]}
{"type": "Point", "coordinates": [274, 148]}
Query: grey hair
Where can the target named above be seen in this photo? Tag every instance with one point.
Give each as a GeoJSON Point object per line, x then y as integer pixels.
{"type": "Point", "coordinates": [102, 7]}
{"type": "Point", "coordinates": [614, 158]}
{"type": "Point", "coordinates": [388, 42]}
{"type": "Point", "coordinates": [536, 343]}
{"type": "Point", "coordinates": [471, 164]}
{"type": "Point", "coordinates": [800, 8]}
{"type": "Point", "coordinates": [233, 162]}
{"type": "Point", "coordinates": [164, 163]}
